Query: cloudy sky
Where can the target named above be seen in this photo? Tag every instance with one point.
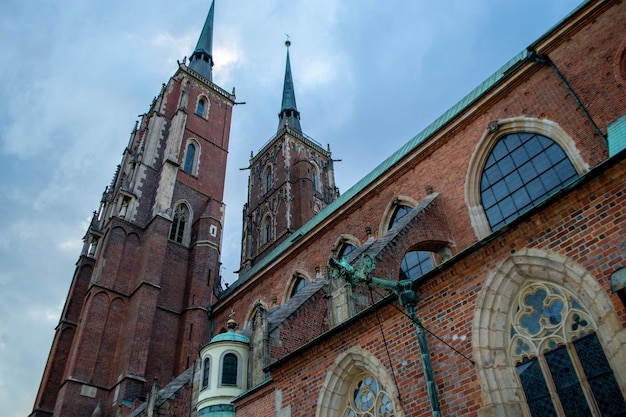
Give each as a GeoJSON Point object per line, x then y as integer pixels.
{"type": "Point", "coordinates": [369, 75]}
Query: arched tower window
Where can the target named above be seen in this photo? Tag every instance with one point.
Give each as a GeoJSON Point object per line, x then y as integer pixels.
{"type": "Point", "coordinates": [202, 107]}
{"type": "Point", "coordinates": [522, 170]}
{"type": "Point", "coordinates": [190, 159]}
{"type": "Point", "coordinates": [266, 229]}
{"type": "Point", "coordinates": [268, 178]}
{"type": "Point", "coordinates": [558, 357]}
{"type": "Point", "coordinates": [206, 372]}
{"type": "Point", "coordinates": [415, 264]}
{"type": "Point", "coordinates": [180, 222]}
{"type": "Point", "coordinates": [229, 369]}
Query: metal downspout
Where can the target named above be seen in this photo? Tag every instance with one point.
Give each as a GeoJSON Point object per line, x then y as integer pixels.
{"type": "Point", "coordinates": [535, 57]}
{"type": "Point", "coordinates": [428, 370]}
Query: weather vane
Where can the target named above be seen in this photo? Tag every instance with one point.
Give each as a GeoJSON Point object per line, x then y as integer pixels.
{"type": "Point", "coordinates": [287, 42]}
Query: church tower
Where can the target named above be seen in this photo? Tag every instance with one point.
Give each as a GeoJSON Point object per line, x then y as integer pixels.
{"type": "Point", "coordinates": [291, 179]}
{"type": "Point", "coordinates": [136, 311]}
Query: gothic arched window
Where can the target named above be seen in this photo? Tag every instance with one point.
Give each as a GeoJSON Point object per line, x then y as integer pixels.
{"type": "Point", "coordinates": [202, 107]}
{"type": "Point", "coordinates": [206, 369]}
{"type": "Point", "coordinates": [266, 229]}
{"type": "Point", "coordinates": [229, 369]}
{"type": "Point", "coordinates": [190, 159]}
{"type": "Point", "coordinates": [399, 212]}
{"type": "Point", "coordinates": [415, 264]}
{"type": "Point", "coordinates": [522, 170]}
{"type": "Point", "coordinates": [299, 282]}
{"type": "Point", "coordinates": [268, 179]}
{"type": "Point", "coordinates": [367, 398]}
{"type": "Point", "coordinates": [345, 250]}
{"type": "Point", "coordinates": [179, 223]}
{"type": "Point", "coordinates": [558, 357]}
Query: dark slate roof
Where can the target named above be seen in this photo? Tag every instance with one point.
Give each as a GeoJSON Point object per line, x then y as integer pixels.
{"type": "Point", "coordinates": [397, 156]}
{"type": "Point", "coordinates": [289, 110]}
{"type": "Point", "coordinates": [279, 315]}
{"type": "Point", "coordinates": [201, 59]}
{"type": "Point", "coordinates": [167, 392]}
{"type": "Point", "coordinates": [379, 245]}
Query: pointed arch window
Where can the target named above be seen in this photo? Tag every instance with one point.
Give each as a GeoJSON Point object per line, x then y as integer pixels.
{"type": "Point", "coordinates": [266, 229]}
{"type": "Point", "coordinates": [558, 357]}
{"type": "Point", "coordinates": [206, 371]}
{"type": "Point", "coordinates": [298, 283]}
{"type": "Point", "coordinates": [230, 367]}
{"type": "Point", "coordinates": [399, 212]}
{"type": "Point", "coordinates": [522, 170]}
{"type": "Point", "coordinates": [190, 159]}
{"type": "Point", "coordinates": [346, 249]}
{"type": "Point", "coordinates": [202, 107]}
{"type": "Point", "coordinates": [268, 178]}
{"type": "Point", "coordinates": [180, 222]}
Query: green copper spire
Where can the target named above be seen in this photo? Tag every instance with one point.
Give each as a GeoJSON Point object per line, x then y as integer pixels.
{"type": "Point", "coordinates": [289, 113]}
{"type": "Point", "coordinates": [201, 60]}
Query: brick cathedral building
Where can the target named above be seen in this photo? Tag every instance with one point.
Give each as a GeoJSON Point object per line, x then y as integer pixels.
{"type": "Point", "coordinates": [478, 271]}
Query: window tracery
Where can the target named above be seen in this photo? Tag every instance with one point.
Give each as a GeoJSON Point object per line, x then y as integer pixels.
{"type": "Point", "coordinates": [179, 223]}
{"type": "Point", "coordinates": [558, 357]}
{"type": "Point", "coordinates": [367, 399]}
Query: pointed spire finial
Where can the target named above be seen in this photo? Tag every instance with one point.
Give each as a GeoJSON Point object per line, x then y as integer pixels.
{"type": "Point", "coordinates": [289, 114]}
{"type": "Point", "coordinates": [201, 59]}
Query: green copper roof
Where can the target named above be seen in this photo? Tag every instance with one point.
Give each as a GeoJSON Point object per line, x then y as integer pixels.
{"type": "Point", "coordinates": [289, 113]}
{"type": "Point", "coordinates": [202, 57]}
{"type": "Point", "coordinates": [401, 153]}
{"type": "Point", "coordinates": [230, 336]}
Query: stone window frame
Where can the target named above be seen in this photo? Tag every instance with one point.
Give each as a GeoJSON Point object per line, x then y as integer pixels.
{"type": "Point", "coordinates": [496, 130]}
{"type": "Point", "coordinates": [268, 178]}
{"type": "Point", "coordinates": [343, 240]}
{"type": "Point", "coordinates": [239, 381]}
{"type": "Point", "coordinates": [332, 398]}
{"type": "Point", "coordinates": [186, 239]}
{"type": "Point", "coordinates": [315, 177]}
{"type": "Point", "coordinates": [502, 393]}
{"type": "Point", "coordinates": [267, 226]}
{"type": "Point", "coordinates": [291, 283]}
{"type": "Point", "coordinates": [204, 112]}
{"type": "Point", "coordinates": [400, 200]}
{"type": "Point", "coordinates": [258, 304]}
{"type": "Point", "coordinates": [196, 157]}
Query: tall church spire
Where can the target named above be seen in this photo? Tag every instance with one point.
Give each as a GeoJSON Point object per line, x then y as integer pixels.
{"type": "Point", "coordinates": [202, 58]}
{"type": "Point", "coordinates": [289, 113]}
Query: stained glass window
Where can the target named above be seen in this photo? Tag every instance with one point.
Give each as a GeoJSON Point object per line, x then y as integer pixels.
{"type": "Point", "coordinates": [367, 399]}
{"type": "Point", "coordinates": [558, 357]}
{"type": "Point", "coordinates": [522, 170]}
{"type": "Point", "coordinates": [346, 249]}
